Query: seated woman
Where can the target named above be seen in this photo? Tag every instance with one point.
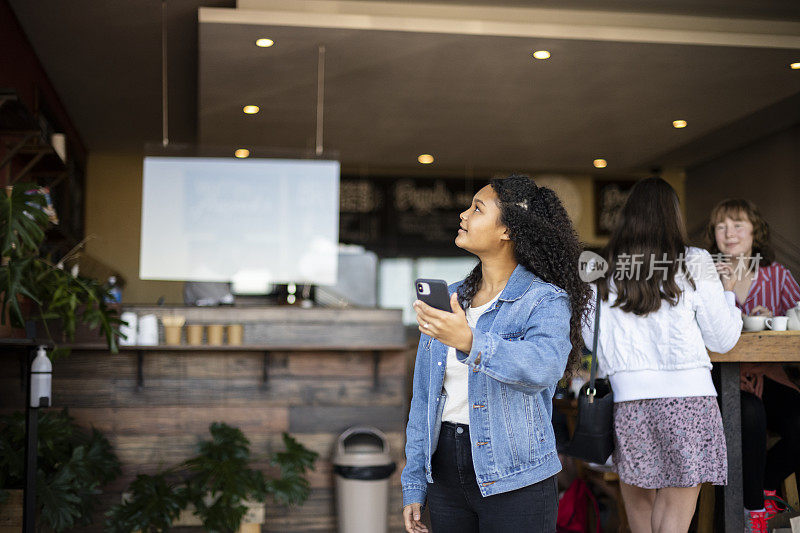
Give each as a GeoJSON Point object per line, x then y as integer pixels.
{"type": "Point", "coordinates": [738, 235]}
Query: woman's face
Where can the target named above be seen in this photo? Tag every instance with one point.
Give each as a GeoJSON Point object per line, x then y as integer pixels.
{"type": "Point", "coordinates": [734, 237]}
{"type": "Point", "coordinates": [480, 230]}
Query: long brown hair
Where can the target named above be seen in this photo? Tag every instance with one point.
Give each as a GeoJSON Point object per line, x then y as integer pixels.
{"type": "Point", "coordinates": [741, 209]}
{"type": "Point", "coordinates": [652, 235]}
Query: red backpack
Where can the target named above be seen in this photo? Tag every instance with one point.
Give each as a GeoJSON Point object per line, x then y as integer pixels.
{"type": "Point", "coordinates": [572, 509]}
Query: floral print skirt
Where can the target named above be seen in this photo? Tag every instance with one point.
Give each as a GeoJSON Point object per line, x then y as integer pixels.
{"type": "Point", "coordinates": [670, 442]}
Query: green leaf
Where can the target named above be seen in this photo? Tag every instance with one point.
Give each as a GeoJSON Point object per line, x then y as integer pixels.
{"type": "Point", "coordinates": [153, 504]}
{"type": "Point", "coordinates": [59, 506]}
{"type": "Point", "coordinates": [296, 459]}
{"type": "Point", "coordinates": [103, 463]}
{"type": "Point", "coordinates": [72, 465]}
{"type": "Point", "coordinates": [289, 489]}
{"type": "Point", "coordinates": [22, 220]}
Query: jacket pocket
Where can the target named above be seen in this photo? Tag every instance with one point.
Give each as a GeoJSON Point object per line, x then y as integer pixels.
{"type": "Point", "coordinates": [536, 428]}
{"type": "Point", "coordinates": [530, 426]}
{"type": "Point", "coordinates": [507, 397]}
{"type": "Point", "coordinates": [437, 426]}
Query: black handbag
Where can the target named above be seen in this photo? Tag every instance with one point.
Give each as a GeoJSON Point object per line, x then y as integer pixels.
{"type": "Point", "coordinates": [593, 439]}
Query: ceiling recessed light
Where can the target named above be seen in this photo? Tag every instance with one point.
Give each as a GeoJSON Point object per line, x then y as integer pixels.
{"type": "Point", "coordinates": [425, 159]}
{"type": "Point", "coordinates": [264, 43]}
{"type": "Point", "coordinates": [679, 123]}
{"type": "Point", "coordinates": [241, 153]}
{"type": "Point", "coordinates": [600, 163]}
{"type": "Point", "coordinates": [795, 66]}
{"type": "Point", "coordinates": [541, 54]}
{"type": "Point", "coordinates": [250, 109]}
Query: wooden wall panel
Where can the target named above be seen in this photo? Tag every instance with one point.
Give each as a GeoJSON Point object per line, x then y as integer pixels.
{"type": "Point", "coordinates": [318, 514]}
{"type": "Point", "coordinates": [176, 420]}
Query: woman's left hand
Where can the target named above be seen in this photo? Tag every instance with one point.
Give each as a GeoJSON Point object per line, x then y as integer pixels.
{"type": "Point", "coordinates": [451, 329]}
{"type": "Point", "coordinates": [760, 310]}
{"type": "Point", "coordinates": [726, 275]}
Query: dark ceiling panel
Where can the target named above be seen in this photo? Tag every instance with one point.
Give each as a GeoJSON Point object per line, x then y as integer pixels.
{"type": "Point", "coordinates": [772, 9]}
{"type": "Point", "coordinates": [104, 58]}
{"type": "Point", "coordinates": [475, 100]}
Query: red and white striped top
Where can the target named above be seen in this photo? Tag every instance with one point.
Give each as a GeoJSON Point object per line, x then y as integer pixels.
{"type": "Point", "coordinates": [774, 288]}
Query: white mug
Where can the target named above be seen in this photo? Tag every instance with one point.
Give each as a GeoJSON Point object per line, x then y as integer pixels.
{"type": "Point", "coordinates": [777, 323]}
{"type": "Point", "coordinates": [129, 330]}
{"type": "Point", "coordinates": [754, 323]}
{"type": "Point", "coordinates": [148, 330]}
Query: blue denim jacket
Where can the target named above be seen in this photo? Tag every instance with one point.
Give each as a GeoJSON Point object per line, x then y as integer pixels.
{"type": "Point", "coordinates": [519, 352]}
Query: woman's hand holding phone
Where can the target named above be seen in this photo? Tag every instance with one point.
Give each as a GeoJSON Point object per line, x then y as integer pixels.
{"type": "Point", "coordinates": [448, 328]}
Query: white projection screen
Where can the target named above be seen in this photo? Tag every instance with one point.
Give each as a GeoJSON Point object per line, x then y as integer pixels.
{"type": "Point", "coordinates": [252, 222]}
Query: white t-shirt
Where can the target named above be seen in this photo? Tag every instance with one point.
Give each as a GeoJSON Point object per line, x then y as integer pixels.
{"type": "Point", "coordinates": [456, 407]}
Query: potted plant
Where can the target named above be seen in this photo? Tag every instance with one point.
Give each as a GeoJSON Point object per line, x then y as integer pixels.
{"type": "Point", "coordinates": [72, 466]}
{"type": "Point", "coordinates": [25, 274]}
{"type": "Point", "coordinates": [215, 489]}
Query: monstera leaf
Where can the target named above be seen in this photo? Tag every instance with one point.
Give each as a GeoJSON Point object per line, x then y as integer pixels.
{"type": "Point", "coordinates": [219, 483]}
{"type": "Point", "coordinates": [22, 220]}
{"type": "Point", "coordinates": [73, 464]}
{"type": "Point", "coordinates": [152, 504]}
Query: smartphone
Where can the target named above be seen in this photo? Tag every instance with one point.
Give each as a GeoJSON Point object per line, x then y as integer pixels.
{"type": "Point", "coordinates": [434, 293]}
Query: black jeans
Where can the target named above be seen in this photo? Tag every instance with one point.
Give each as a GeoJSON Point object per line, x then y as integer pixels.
{"type": "Point", "coordinates": [456, 504]}
{"type": "Point", "coordinates": [779, 410]}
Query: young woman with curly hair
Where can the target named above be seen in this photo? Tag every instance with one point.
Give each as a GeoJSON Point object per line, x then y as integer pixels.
{"type": "Point", "coordinates": [662, 307]}
{"type": "Point", "coordinates": [739, 237]}
{"type": "Point", "coordinates": [480, 447]}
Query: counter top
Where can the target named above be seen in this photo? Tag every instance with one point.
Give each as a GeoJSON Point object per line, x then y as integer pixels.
{"type": "Point", "coordinates": [242, 348]}
{"type": "Point", "coordinates": [277, 313]}
{"type": "Point", "coordinates": [273, 328]}
{"type": "Point", "coordinates": [763, 346]}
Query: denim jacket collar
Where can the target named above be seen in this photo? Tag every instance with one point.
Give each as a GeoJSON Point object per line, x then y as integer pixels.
{"type": "Point", "coordinates": [518, 284]}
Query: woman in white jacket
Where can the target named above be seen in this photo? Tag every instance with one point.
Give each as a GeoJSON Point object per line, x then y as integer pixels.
{"type": "Point", "coordinates": [662, 306]}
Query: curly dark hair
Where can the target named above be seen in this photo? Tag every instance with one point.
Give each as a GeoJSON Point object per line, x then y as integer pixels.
{"type": "Point", "coordinates": [545, 243]}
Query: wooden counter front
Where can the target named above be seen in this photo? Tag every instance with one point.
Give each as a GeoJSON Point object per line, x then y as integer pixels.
{"type": "Point", "coordinates": [327, 370]}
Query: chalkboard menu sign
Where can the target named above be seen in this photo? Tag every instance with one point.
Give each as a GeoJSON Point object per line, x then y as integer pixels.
{"type": "Point", "coordinates": [404, 217]}
{"type": "Point", "coordinates": [610, 197]}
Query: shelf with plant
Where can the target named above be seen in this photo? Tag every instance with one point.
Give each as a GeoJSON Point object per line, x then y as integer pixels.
{"type": "Point", "coordinates": [52, 292]}
{"type": "Point", "coordinates": [217, 486]}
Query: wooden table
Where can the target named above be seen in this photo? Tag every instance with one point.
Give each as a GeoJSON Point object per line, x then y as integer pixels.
{"type": "Point", "coordinates": [758, 347]}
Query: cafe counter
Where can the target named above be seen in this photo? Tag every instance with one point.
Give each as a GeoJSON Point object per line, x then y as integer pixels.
{"type": "Point", "coordinates": [776, 347]}
{"type": "Point", "coordinates": [311, 372]}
